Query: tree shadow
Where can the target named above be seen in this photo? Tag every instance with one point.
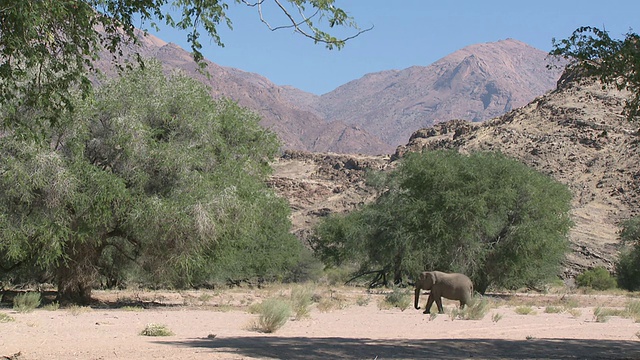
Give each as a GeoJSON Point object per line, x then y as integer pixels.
{"type": "Point", "coordinates": [361, 348]}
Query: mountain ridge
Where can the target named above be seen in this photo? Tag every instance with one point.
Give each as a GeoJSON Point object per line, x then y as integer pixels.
{"type": "Point", "coordinates": [374, 114]}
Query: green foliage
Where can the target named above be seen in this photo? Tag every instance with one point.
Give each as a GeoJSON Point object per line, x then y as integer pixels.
{"type": "Point", "coordinates": [26, 302]}
{"type": "Point", "coordinates": [614, 62]}
{"type": "Point", "coordinates": [53, 306]}
{"type": "Point", "coordinates": [474, 311]}
{"type": "Point", "coordinates": [524, 310]}
{"type": "Point", "coordinates": [301, 300]}
{"type": "Point", "coordinates": [482, 214]}
{"type": "Point", "coordinates": [553, 309]}
{"type": "Point", "coordinates": [274, 313]}
{"type": "Point", "coordinates": [399, 297]}
{"type": "Point", "coordinates": [150, 179]}
{"type": "Point", "coordinates": [597, 278]}
{"type": "Point", "coordinates": [48, 46]}
{"type": "Point", "coordinates": [156, 330]}
{"type": "Point", "coordinates": [628, 264]}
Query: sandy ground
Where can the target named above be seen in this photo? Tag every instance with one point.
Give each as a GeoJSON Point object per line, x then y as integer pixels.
{"type": "Point", "coordinates": [366, 331]}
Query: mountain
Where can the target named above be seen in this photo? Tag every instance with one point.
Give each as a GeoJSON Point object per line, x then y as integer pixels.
{"type": "Point", "coordinates": [575, 134]}
{"type": "Point", "coordinates": [298, 127]}
{"type": "Point", "coordinates": [377, 113]}
{"type": "Point", "coordinates": [475, 83]}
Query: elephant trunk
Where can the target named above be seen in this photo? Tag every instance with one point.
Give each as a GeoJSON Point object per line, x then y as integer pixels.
{"type": "Point", "coordinates": [417, 298]}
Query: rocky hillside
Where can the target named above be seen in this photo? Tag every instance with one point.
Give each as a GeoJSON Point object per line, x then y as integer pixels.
{"type": "Point", "coordinates": [375, 114]}
{"type": "Point", "coordinates": [476, 83]}
{"type": "Point", "coordinates": [574, 134]}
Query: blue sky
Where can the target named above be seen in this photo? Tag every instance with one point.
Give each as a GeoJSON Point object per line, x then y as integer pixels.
{"type": "Point", "coordinates": [406, 33]}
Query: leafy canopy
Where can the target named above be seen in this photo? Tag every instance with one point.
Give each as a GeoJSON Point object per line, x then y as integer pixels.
{"type": "Point", "coordinates": [482, 214]}
{"type": "Point", "coordinates": [47, 46]}
{"type": "Point", "coordinates": [614, 62]}
{"type": "Point", "coordinates": [150, 178]}
{"type": "Point", "coordinates": [628, 264]}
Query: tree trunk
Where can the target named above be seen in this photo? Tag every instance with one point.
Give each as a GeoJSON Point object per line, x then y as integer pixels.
{"type": "Point", "coordinates": [77, 274]}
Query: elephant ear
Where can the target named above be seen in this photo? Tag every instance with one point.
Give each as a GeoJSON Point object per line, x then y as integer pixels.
{"type": "Point", "coordinates": [432, 275]}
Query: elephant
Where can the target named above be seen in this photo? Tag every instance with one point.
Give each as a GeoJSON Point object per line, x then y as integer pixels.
{"type": "Point", "coordinates": [452, 286]}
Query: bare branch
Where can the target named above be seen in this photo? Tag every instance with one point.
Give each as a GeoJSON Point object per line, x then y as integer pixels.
{"type": "Point", "coordinates": [297, 25]}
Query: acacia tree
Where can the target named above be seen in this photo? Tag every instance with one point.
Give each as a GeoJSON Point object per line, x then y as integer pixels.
{"type": "Point", "coordinates": [614, 62]}
{"type": "Point", "coordinates": [150, 175]}
{"type": "Point", "coordinates": [47, 46]}
{"type": "Point", "coordinates": [483, 214]}
{"type": "Point", "coordinates": [628, 264]}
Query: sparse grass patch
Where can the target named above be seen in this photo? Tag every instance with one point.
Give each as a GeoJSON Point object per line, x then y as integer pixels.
{"type": "Point", "coordinates": [400, 298]}
{"type": "Point", "coordinates": [132, 308]}
{"type": "Point", "coordinates": [334, 301]}
{"type": "Point", "coordinates": [26, 302]}
{"type": "Point", "coordinates": [576, 313]}
{"type": "Point", "coordinates": [52, 306]}
{"type": "Point", "coordinates": [496, 317]}
{"type": "Point", "coordinates": [363, 300]}
{"type": "Point", "coordinates": [274, 313]}
{"type": "Point", "coordinates": [553, 309]}
{"type": "Point", "coordinates": [301, 300]}
{"type": "Point", "coordinates": [474, 311]}
{"type": "Point", "coordinates": [633, 310]}
{"type": "Point", "coordinates": [76, 310]}
{"type": "Point", "coordinates": [603, 314]}
{"type": "Point", "coordinates": [524, 310]}
{"type": "Point", "coordinates": [569, 302]}
{"type": "Point", "coordinates": [156, 330]}
{"type": "Point", "coordinates": [205, 297]}
{"type": "Point", "coordinates": [5, 318]}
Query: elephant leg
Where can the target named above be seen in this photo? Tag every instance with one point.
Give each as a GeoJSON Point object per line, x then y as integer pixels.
{"type": "Point", "coordinates": [439, 303]}
{"type": "Point", "coordinates": [427, 310]}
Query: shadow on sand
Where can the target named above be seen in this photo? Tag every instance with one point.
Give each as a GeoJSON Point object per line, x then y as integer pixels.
{"type": "Point", "coordinates": [344, 348]}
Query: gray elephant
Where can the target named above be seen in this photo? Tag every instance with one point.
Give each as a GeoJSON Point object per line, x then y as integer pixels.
{"type": "Point", "coordinates": [452, 286]}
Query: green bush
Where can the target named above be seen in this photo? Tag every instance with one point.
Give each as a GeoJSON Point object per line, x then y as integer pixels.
{"type": "Point", "coordinates": [399, 298]}
{"type": "Point", "coordinates": [628, 265]}
{"type": "Point", "coordinates": [597, 278]}
{"type": "Point", "coordinates": [274, 313]}
{"type": "Point", "coordinates": [474, 311]}
{"type": "Point", "coordinates": [301, 300]}
{"type": "Point", "coordinates": [26, 302]}
{"type": "Point", "coordinates": [508, 223]}
{"type": "Point", "coordinates": [156, 330]}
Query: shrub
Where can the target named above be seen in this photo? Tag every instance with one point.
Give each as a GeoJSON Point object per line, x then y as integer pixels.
{"type": "Point", "coordinates": [363, 300]}
{"type": "Point", "coordinates": [633, 310]}
{"type": "Point", "coordinates": [603, 314]}
{"type": "Point", "coordinates": [26, 302]}
{"type": "Point", "coordinates": [628, 269]}
{"type": "Point", "coordinates": [553, 309]}
{"type": "Point", "coordinates": [274, 313]}
{"type": "Point", "coordinates": [76, 310]}
{"type": "Point", "coordinates": [628, 265]}
{"type": "Point", "coordinates": [474, 311]}
{"type": "Point", "coordinates": [301, 300]}
{"type": "Point", "coordinates": [156, 330]}
{"type": "Point", "coordinates": [399, 298]}
{"type": "Point", "coordinates": [597, 278]}
{"type": "Point", "coordinates": [52, 306]}
{"type": "Point", "coordinates": [496, 317]}
{"type": "Point", "coordinates": [525, 310]}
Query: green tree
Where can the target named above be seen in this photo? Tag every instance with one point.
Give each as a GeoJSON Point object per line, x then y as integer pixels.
{"type": "Point", "coordinates": [47, 46]}
{"type": "Point", "coordinates": [628, 264]}
{"type": "Point", "coordinates": [150, 176]}
{"type": "Point", "coordinates": [614, 62]}
{"type": "Point", "coordinates": [483, 214]}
